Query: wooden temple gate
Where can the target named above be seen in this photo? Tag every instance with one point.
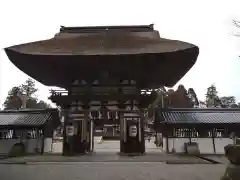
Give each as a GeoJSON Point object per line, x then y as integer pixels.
{"type": "Point", "coordinates": [86, 106]}
{"type": "Point", "coordinates": [105, 63]}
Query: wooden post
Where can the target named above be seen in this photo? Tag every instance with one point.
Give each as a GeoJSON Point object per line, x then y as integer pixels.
{"type": "Point", "coordinates": [213, 140]}
{"type": "Point", "coordinates": [84, 125]}
{"type": "Point", "coordinates": [122, 125]}
{"type": "Point", "coordinates": [64, 148]}
{"type": "Point", "coordinates": [167, 143]}
{"type": "Point", "coordinates": [189, 135]}
{"type": "Point", "coordinates": [43, 138]}
{"type": "Point", "coordinates": [140, 127]}
{"type": "Point", "coordinates": [91, 135]}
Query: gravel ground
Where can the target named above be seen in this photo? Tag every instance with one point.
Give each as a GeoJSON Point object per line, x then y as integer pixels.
{"type": "Point", "coordinates": [111, 170]}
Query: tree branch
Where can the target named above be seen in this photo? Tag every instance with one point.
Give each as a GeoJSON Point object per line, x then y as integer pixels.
{"type": "Point", "coordinates": [236, 23]}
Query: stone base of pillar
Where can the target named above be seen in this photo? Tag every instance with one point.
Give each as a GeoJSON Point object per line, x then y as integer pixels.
{"type": "Point", "coordinates": [131, 154]}
{"type": "Point", "coordinates": [132, 140]}
{"type": "Point", "coordinates": [132, 147]}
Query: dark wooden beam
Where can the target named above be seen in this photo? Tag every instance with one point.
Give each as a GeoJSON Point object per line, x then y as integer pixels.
{"type": "Point", "coordinates": [213, 140]}
{"type": "Point", "coordinates": [88, 29]}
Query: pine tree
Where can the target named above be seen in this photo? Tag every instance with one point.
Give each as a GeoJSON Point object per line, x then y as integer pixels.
{"type": "Point", "coordinates": [28, 88]}
{"type": "Point", "coordinates": [13, 101]}
{"type": "Point", "coordinates": [212, 99]}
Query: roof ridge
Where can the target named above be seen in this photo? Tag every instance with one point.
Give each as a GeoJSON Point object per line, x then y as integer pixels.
{"type": "Point", "coordinates": [106, 28]}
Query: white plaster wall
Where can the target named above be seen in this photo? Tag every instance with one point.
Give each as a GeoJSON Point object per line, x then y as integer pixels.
{"type": "Point", "coordinates": [205, 144]}
{"type": "Point", "coordinates": [31, 144]}
{"type": "Point", "coordinates": [164, 144]}
{"type": "Point", "coordinates": [176, 143]}
{"type": "Point", "coordinates": [48, 145]}
{"type": "Point", "coordinates": [220, 143]}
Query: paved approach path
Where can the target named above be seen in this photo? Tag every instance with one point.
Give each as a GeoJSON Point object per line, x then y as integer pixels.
{"type": "Point", "coordinates": [111, 170]}
{"type": "Point", "coordinates": [109, 146]}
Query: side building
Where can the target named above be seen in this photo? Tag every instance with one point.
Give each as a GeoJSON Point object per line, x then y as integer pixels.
{"type": "Point", "coordinates": [27, 131]}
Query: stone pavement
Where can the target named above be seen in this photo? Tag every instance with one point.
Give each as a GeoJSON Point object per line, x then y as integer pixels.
{"type": "Point", "coordinates": [107, 152]}
{"type": "Point", "coordinates": [112, 170]}
{"type": "Point", "coordinates": [108, 146]}
{"type": "Point", "coordinates": [107, 157]}
{"type": "Point", "coordinates": [105, 164]}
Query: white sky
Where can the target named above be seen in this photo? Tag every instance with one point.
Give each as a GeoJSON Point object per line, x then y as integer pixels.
{"type": "Point", "coordinates": [207, 24]}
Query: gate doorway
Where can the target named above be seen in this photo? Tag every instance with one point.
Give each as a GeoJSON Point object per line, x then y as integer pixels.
{"type": "Point", "coordinates": [125, 134]}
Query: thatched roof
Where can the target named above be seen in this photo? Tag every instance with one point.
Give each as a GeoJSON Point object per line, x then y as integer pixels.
{"type": "Point", "coordinates": [126, 51]}
{"type": "Point", "coordinates": [104, 42]}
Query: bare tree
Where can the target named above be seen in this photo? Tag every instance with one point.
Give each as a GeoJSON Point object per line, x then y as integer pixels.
{"type": "Point", "coordinates": [236, 24]}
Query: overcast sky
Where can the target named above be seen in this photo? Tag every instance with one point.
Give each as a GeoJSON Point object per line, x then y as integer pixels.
{"type": "Point", "coordinates": [207, 24]}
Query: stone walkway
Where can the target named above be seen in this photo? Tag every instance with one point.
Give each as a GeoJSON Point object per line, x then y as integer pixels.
{"type": "Point", "coordinates": [107, 165]}
{"type": "Point", "coordinates": [108, 157]}
{"type": "Point", "coordinates": [107, 152]}
{"type": "Point", "coordinates": [112, 170]}
{"type": "Point", "coordinates": [108, 146]}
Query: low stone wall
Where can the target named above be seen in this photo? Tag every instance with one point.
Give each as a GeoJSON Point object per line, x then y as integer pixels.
{"type": "Point", "coordinates": [205, 144]}
{"type": "Point", "coordinates": [30, 145]}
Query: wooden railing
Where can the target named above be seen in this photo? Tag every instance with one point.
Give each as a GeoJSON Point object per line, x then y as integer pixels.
{"type": "Point", "coordinates": [65, 92]}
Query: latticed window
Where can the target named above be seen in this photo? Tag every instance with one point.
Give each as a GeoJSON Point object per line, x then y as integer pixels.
{"type": "Point", "coordinates": [185, 133]}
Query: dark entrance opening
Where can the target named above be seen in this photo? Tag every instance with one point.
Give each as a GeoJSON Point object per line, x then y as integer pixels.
{"type": "Point", "coordinates": [121, 106]}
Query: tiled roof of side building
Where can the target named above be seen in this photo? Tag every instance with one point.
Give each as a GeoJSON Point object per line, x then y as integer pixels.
{"type": "Point", "coordinates": [197, 115]}
{"type": "Point", "coordinates": [29, 118]}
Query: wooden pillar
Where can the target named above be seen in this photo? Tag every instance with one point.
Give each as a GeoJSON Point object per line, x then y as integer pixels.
{"type": "Point", "coordinates": [122, 131]}
{"type": "Point", "coordinates": [190, 135]}
{"type": "Point", "coordinates": [91, 135]}
{"type": "Point", "coordinates": [167, 131]}
{"type": "Point", "coordinates": [167, 144]}
{"type": "Point", "coordinates": [85, 132]}
{"type": "Point", "coordinates": [65, 147]}
{"type": "Point", "coordinates": [213, 140]}
{"type": "Point", "coordinates": [142, 136]}
{"type": "Point", "coordinates": [43, 137]}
